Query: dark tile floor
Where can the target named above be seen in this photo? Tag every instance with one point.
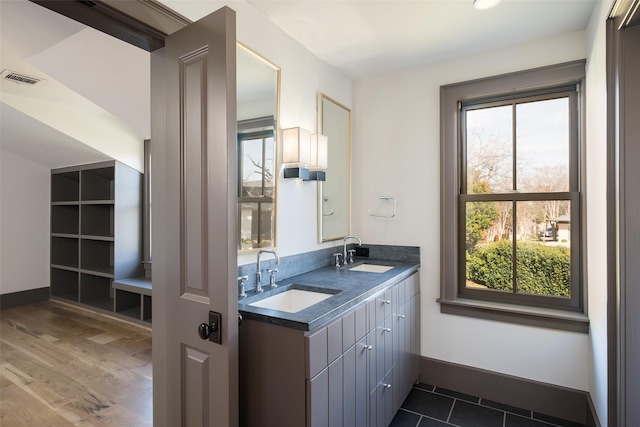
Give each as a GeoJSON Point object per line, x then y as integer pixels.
{"type": "Point", "coordinates": [429, 406]}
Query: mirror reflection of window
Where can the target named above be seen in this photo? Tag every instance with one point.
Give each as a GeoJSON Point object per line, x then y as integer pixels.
{"type": "Point", "coordinates": [258, 89]}
{"type": "Point", "coordinates": [256, 192]}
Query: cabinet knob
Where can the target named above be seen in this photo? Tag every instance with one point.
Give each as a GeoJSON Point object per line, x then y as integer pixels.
{"type": "Point", "coordinates": [385, 385]}
{"type": "Point", "coordinates": [367, 347]}
{"type": "Point", "coordinates": [386, 329]}
{"type": "Point", "coordinates": [386, 301]}
{"type": "Point", "coordinates": [401, 316]}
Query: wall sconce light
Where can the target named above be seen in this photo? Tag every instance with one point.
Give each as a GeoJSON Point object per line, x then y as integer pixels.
{"type": "Point", "coordinates": [296, 152]}
{"type": "Point", "coordinates": [319, 157]}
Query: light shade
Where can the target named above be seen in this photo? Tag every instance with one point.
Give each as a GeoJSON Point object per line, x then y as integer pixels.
{"type": "Point", "coordinates": [485, 4]}
{"type": "Point", "coordinates": [319, 151]}
{"type": "Point", "coordinates": [296, 146]}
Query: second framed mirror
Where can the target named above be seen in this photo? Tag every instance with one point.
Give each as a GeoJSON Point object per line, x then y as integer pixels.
{"type": "Point", "coordinates": [334, 194]}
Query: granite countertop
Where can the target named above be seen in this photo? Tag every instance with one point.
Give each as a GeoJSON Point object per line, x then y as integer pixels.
{"type": "Point", "coordinates": [350, 287]}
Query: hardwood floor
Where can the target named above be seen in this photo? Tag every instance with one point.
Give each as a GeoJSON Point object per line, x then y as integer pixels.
{"type": "Point", "coordinates": [64, 366]}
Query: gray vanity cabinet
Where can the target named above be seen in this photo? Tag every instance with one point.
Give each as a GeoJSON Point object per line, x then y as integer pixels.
{"type": "Point", "coordinates": [356, 371]}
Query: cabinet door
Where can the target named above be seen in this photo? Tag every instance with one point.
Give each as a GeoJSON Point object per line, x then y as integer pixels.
{"type": "Point", "coordinates": [388, 334]}
{"type": "Point", "coordinates": [379, 350]}
{"type": "Point", "coordinates": [335, 392]}
{"type": "Point", "coordinates": [414, 354]}
{"type": "Point", "coordinates": [381, 403]}
{"type": "Point", "coordinates": [318, 400]}
{"type": "Point", "coordinates": [361, 352]}
{"type": "Point", "coordinates": [399, 354]}
{"type": "Point", "coordinates": [349, 378]}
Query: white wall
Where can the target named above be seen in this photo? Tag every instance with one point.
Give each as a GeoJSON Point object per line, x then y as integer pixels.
{"type": "Point", "coordinates": [24, 224]}
{"type": "Point", "coordinates": [396, 153]}
{"type": "Point", "coordinates": [596, 208]}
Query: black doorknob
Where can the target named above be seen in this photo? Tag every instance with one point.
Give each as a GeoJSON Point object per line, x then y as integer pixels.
{"type": "Point", "coordinates": [212, 330]}
{"type": "Point", "coordinates": [205, 330]}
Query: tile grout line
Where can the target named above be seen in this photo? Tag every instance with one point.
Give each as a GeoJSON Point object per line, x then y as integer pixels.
{"type": "Point", "coordinates": [451, 410]}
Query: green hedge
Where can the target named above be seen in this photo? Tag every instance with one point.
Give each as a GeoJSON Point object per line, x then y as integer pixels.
{"type": "Point", "coordinates": [543, 270]}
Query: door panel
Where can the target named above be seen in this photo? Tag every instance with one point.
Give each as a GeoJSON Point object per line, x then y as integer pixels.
{"type": "Point", "coordinates": [194, 221]}
{"type": "Point", "coordinates": [195, 368]}
{"type": "Point", "coordinates": [193, 153]}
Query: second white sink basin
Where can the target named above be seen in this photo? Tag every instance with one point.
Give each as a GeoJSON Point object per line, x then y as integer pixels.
{"type": "Point", "coordinates": [292, 300]}
{"type": "Point", "coordinates": [371, 268]}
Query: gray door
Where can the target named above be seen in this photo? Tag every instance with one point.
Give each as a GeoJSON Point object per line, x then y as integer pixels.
{"type": "Point", "coordinates": [194, 223]}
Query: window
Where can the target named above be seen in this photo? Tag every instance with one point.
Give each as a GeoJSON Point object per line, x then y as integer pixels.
{"type": "Point", "coordinates": [256, 183]}
{"type": "Point", "coordinates": [512, 183]}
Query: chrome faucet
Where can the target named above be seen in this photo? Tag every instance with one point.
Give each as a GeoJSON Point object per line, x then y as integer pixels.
{"type": "Point", "coordinates": [344, 242]}
{"type": "Point", "coordinates": [259, 270]}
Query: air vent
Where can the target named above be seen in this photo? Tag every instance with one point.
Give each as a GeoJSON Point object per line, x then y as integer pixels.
{"type": "Point", "coordinates": [20, 78]}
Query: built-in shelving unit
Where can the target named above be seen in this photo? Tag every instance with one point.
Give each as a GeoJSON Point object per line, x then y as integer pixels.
{"type": "Point", "coordinates": [96, 238]}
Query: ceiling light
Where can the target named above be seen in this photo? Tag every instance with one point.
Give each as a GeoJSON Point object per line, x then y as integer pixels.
{"type": "Point", "coordinates": [485, 4]}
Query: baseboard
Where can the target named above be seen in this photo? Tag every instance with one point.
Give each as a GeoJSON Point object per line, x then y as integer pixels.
{"type": "Point", "coordinates": [592, 415]}
{"type": "Point", "coordinates": [549, 399]}
{"type": "Point", "coordinates": [31, 296]}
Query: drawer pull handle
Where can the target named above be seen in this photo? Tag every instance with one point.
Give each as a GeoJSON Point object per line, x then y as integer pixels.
{"type": "Point", "coordinates": [385, 385]}
{"type": "Point", "coordinates": [401, 316]}
{"type": "Point", "coordinates": [386, 301]}
{"type": "Point", "coordinates": [367, 347]}
{"type": "Point", "coordinates": [386, 329]}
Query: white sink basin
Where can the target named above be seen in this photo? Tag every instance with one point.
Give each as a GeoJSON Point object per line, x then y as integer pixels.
{"type": "Point", "coordinates": [292, 301]}
{"type": "Point", "coordinates": [371, 268]}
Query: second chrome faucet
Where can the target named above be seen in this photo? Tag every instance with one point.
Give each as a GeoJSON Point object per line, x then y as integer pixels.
{"type": "Point", "coordinates": [273, 271]}
{"type": "Point", "coordinates": [345, 255]}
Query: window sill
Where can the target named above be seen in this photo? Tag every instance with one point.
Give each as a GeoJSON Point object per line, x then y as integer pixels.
{"type": "Point", "coordinates": [530, 316]}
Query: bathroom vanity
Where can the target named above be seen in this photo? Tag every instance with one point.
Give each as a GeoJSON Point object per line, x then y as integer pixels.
{"type": "Point", "coordinates": [348, 360]}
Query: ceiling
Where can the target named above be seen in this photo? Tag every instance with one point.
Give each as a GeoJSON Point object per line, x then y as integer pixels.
{"type": "Point", "coordinates": [96, 88]}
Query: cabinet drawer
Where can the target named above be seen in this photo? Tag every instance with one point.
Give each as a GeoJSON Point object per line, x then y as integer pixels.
{"type": "Point", "coordinates": [316, 349]}
{"type": "Point", "coordinates": [383, 306]}
{"type": "Point", "coordinates": [334, 340]}
{"type": "Point", "coordinates": [361, 322]}
{"type": "Point", "coordinates": [355, 326]}
{"type": "Point", "coordinates": [348, 331]}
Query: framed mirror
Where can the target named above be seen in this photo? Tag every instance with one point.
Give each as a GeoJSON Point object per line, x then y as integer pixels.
{"type": "Point", "coordinates": [258, 98]}
{"type": "Point", "coordinates": [334, 194]}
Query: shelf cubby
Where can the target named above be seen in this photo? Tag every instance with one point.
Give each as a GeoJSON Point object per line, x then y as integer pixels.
{"type": "Point", "coordinates": [65, 219]}
{"type": "Point", "coordinates": [65, 187]}
{"type": "Point", "coordinates": [64, 284]}
{"type": "Point", "coordinates": [96, 255]}
{"type": "Point", "coordinates": [146, 308]}
{"type": "Point", "coordinates": [98, 220]}
{"type": "Point", "coordinates": [98, 184]}
{"type": "Point", "coordinates": [96, 291]}
{"type": "Point", "coordinates": [64, 251]}
{"type": "Point", "coordinates": [128, 304]}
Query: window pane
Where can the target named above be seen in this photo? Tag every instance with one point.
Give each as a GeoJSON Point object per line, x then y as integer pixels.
{"type": "Point", "coordinates": [257, 171]}
{"type": "Point", "coordinates": [542, 146]}
{"type": "Point", "coordinates": [543, 248]}
{"type": "Point", "coordinates": [489, 144]}
{"type": "Point", "coordinates": [256, 225]}
{"type": "Point", "coordinates": [489, 245]}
